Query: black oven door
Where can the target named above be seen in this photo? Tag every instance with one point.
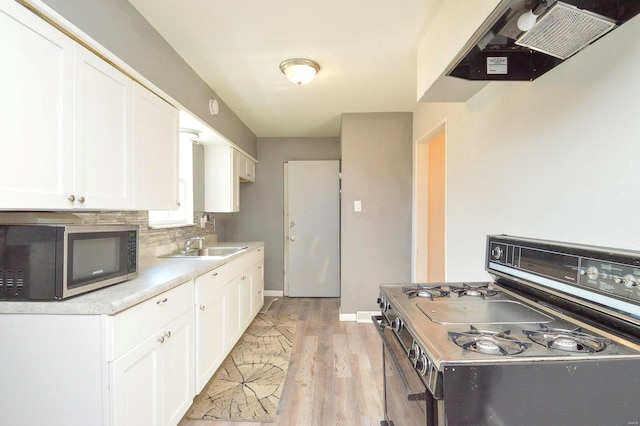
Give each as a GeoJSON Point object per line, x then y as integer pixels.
{"type": "Point", "coordinates": [407, 400]}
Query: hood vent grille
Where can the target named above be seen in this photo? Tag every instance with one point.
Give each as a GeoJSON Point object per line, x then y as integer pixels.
{"type": "Point", "coordinates": [564, 30]}
{"type": "Point", "coordinates": [501, 50]}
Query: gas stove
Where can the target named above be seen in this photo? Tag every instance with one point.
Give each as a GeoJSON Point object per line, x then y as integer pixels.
{"type": "Point", "coordinates": [556, 318]}
{"type": "Point", "coordinates": [454, 329]}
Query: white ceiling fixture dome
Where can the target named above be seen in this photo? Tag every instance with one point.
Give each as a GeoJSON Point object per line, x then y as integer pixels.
{"type": "Point", "coordinates": [299, 70]}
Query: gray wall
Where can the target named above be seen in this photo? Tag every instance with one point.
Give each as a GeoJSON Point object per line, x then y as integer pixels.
{"type": "Point", "coordinates": [377, 170]}
{"type": "Point", "coordinates": [261, 203]}
{"type": "Point", "coordinates": [118, 26]}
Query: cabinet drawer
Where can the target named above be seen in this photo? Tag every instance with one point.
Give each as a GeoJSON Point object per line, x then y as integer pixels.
{"type": "Point", "coordinates": [245, 262]}
{"type": "Point", "coordinates": [212, 281]}
{"type": "Point", "coordinates": [129, 328]}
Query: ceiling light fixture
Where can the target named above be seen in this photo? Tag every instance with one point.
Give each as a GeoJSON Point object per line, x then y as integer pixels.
{"type": "Point", "coordinates": [300, 71]}
{"type": "Point", "coordinates": [192, 134]}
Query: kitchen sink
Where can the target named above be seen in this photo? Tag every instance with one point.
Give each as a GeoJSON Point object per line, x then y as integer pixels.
{"type": "Point", "coordinates": [220, 252]}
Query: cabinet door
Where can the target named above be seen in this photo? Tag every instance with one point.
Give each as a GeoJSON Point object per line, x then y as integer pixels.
{"type": "Point", "coordinates": [102, 148]}
{"type": "Point", "coordinates": [246, 168]}
{"type": "Point", "coordinates": [178, 387]}
{"type": "Point", "coordinates": [155, 151]}
{"type": "Point", "coordinates": [221, 181]}
{"type": "Point", "coordinates": [210, 336]}
{"type": "Point", "coordinates": [36, 119]}
{"type": "Point", "coordinates": [233, 311]}
{"type": "Point", "coordinates": [135, 383]}
{"type": "Point", "coordinates": [257, 288]}
{"type": "Point", "coordinates": [246, 298]}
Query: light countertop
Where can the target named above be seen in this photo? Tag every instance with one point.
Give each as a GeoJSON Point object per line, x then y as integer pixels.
{"type": "Point", "coordinates": [155, 277]}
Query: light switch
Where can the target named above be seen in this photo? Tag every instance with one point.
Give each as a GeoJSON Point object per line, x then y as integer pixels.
{"type": "Point", "coordinates": [357, 206]}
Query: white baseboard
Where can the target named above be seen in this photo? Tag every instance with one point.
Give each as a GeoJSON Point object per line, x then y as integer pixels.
{"type": "Point", "coordinates": [365, 316]}
{"type": "Point", "coordinates": [359, 316]}
{"type": "Point", "coordinates": [273, 293]}
{"type": "Point", "coordinates": [347, 317]}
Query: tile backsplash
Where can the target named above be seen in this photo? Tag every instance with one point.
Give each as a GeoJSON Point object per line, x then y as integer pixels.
{"type": "Point", "coordinates": [150, 239]}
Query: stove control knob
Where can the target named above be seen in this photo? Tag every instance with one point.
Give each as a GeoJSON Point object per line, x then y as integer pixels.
{"type": "Point", "coordinates": [497, 252]}
{"type": "Point", "coordinates": [630, 281]}
{"type": "Point", "coordinates": [592, 273]}
{"type": "Point", "coordinates": [411, 353]}
{"type": "Point", "coordinates": [422, 364]}
{"type": "Point", "coordinates": [617, 279]}
{"type": "Point", "coordinates": [396, 324]}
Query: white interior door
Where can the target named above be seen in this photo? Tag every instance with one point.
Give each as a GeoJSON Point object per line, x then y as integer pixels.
{"type": "Point", "coordinates": [312, 230]}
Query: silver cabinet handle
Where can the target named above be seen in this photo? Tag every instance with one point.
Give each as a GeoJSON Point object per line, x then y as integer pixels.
{"type": "Point", "coordinates": [215, 274]}
{"type": "Point", "coordinates": [71, 198]}
{"type": "Point", "coordinates": [203, 307]}
{"type": "Point", "coordinates": [81, 199]}
{"type": "Point", "coordinates": [167, 334]}
{"type": "Point", "coordinates": [292, 238]}
{"type": "Point", "coordinates": [161, 339]}
{"type": "Point", "coordinates": [160, 302]}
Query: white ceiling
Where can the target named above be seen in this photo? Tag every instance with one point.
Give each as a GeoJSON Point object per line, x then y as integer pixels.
{"type": "Point", "coordinates": [365, 48]}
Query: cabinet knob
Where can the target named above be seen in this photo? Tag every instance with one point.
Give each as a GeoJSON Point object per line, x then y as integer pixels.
{"type": "Point", "coordinates": [203, 307]}
{"type": "Point", "coordinates": [71, 198]}
{"type": "Point", "coordinates": [215, 274]}
{"type": "Point", "coordinates": [167, 334]}
{"type": "Point", "coordinates": [161, 339]}
{"type": "Point", "coordinates": [160, 302]}
{"type": "Point", "coordinates": [81, 199]}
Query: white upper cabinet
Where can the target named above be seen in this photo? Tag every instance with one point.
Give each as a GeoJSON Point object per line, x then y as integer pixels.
{"type": "Point", "coordinates": [36, 102]}
{"type": "Point", "coordinates": [221, 180]}
{"type": "Point", "coordinates": [102, 143]}
{"type": "Point", "coordinates": [224, 169]}
{"type": "Point", "coordinates": [155, 130]}
{"type": "Point", "coordinates": [246, 168]}
{"type": "Point", "coordinates": [77, 133]}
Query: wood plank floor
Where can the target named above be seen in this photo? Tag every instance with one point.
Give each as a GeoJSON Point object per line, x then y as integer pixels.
{"type": "Point", "coordinates": [335, 374]}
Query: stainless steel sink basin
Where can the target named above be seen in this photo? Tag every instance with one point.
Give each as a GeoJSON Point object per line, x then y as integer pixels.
{"type": "Point", "coordinates": [217, 251]}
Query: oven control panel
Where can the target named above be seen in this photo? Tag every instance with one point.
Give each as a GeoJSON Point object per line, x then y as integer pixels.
{"type": "Point", "coordinates": [611, 273]}
{"type": "Point", "coordinates": [619, 279]}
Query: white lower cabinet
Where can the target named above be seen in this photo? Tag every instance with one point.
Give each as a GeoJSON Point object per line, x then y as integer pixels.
{"type": "Point", "coordinates": [227, 300]}
{"type": "Point", "coordinates": [257, 287]}
{"type": "Point", "coordinates": [133, 375]}
{"type": "Point", "coordinates": [140, 367]}
{"type": "Point", "coordinates": [211, 303]}
{"type": "Point", "coordinates": [233, 320]}
{"type": "Point", "coordinates": [152, 382]}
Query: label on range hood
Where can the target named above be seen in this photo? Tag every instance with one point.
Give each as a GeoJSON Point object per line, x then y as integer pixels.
{"type": "Point", "coordinates": [497, 65]}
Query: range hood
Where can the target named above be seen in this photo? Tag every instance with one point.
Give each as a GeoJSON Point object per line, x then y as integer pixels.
{"type": "Point", "coordinates": [523, 39]}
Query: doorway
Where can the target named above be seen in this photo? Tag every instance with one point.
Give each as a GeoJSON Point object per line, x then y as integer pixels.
{"type": "Point", "coordinates": [312, 228]}
{"type": "Point", "coordinates": [430, 207]}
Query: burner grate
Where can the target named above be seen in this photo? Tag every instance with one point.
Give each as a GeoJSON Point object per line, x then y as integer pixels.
{"type": "Point", "coordinates": [426, 291]}
{"type": "Point", "coordinates": [567, 340]}
{"type": "Point", "coordinates": [489, 342]}
{"type": "Point", "coordinates": [482, 291]}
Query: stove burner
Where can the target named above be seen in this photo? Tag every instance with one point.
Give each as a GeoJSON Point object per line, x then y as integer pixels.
{"type": "Point", "coordinates": [473, 291]}
{"type": "Point", "coordinates": [489, 342]}
{"type": "Point", "coordinates": [430, 292]}
{"type": "Point", "coordinates": [567, 340]}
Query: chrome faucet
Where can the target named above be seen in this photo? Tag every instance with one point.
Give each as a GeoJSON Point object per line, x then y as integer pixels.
{"type": "Point", "coordinates": [187, 244]}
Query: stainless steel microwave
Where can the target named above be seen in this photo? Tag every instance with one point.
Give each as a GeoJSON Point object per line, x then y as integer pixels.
{"type": "Point", "coordinates": [54, 262]}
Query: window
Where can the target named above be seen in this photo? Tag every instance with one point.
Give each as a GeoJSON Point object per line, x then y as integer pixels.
{"type": "Point", "coordinates": [183, 216]}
